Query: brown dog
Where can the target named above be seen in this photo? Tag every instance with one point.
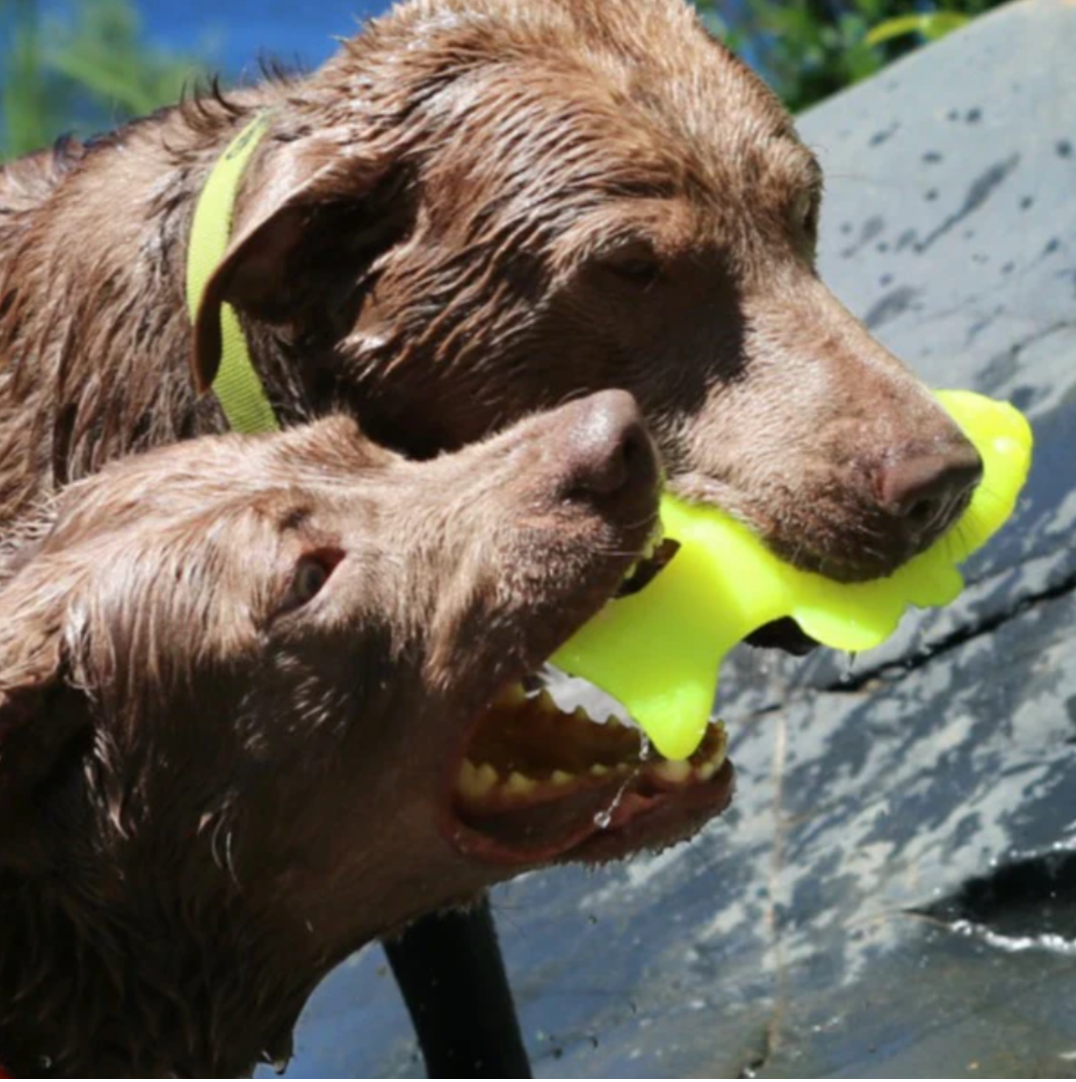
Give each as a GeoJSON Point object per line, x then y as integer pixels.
{"type": "Point", "coordinates": [477, 209]}
{"type": "Point", "coordinates": [240, 678]}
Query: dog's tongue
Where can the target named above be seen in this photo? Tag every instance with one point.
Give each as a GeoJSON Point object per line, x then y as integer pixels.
{"type": "Point", "coordinates": [659, 651]}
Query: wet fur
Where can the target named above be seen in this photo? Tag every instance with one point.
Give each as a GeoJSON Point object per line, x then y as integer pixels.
{"type": "Point", "coordinates": [449, 225]}
{"type": "Point", "coordinates": [214, 789]}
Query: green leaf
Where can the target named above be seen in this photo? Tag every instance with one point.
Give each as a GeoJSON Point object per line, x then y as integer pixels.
{"type": "Point", "coordinates": [944, 22]}
{"type": "Point", "coordinates": [930, 26]}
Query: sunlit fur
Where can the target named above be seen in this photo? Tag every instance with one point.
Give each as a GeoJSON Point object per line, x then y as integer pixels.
{"type": "Point", "coordinates": [434, 236]}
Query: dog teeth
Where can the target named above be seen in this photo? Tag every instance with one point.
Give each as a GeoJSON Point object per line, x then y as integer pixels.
{"type": "Point", "coordinates": [465, 782]}
{"type": "Point", "coordinates": [487, 777]}
{"type": "Point", "coordinates": [656, 538]}
{"type": "Point", "coordinates": [519, 784]}
{"type": "Point", "coordinates": [476, 782]}
{"type": "Point", "coordinates": [705, 771]}
{"type": "Point", "coordinates": [481, 785]}
{"type": "Point", "coordinates": [674, 771]}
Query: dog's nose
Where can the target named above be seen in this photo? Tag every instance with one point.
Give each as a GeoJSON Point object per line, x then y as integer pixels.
{"type": "Point", "coordinates": [607, 447]}
{"type": "Point", "coordinates": [926, 492]}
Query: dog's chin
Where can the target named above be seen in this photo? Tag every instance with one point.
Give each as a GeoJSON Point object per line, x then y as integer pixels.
{"type": "Point", "coordinates": [838, 565]}
{"type": "Point", "coordinates": [818, 536]}
{"type": "Point", "coordinates": [860, 550]}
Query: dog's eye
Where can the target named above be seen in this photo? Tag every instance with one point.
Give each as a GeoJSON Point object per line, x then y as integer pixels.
{"type": "Point", "coordinates": [635, 263]}
{"type": "Point", "coordinates": [638, 270]}
{"type": "Point", "coordinates": [311, 573]}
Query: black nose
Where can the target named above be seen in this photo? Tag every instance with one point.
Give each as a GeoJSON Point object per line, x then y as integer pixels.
{"type": "Point", "coordinates": [606, 447]}
{"type": "Point", "coordinates": [926, 492]}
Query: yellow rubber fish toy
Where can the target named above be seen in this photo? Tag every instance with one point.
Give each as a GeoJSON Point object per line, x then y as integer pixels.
{"type": "Point", "coordinates": [659, 651]}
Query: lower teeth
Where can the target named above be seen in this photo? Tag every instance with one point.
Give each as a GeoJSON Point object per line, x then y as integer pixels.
{"type": "Point", "coordinates": [482, 784]}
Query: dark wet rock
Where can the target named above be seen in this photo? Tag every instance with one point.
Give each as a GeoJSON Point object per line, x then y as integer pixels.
{"type": "Point", "coordinates": [879, 137]}
{"type": "Point", "coordinates": [871, 228]}
{"type": "Point", "coordinates": [889, 306]}
{"type": "Point", "coordinates": [894, 891]}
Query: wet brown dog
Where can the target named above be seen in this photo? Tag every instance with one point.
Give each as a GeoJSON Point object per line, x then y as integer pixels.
{"type": "Point", "coordinates": [238, 682]}
{"type": "Point", "coordinates": [480, 208]}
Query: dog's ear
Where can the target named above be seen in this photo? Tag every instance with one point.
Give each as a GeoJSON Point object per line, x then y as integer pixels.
{"type": "Point", "coordinates": [37, 722]}
{"type": "Point", "coordinates": [318, 205]}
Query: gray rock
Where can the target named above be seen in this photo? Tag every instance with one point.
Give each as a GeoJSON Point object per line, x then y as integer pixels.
{"type": "Point", "coordinates": [894, 891]}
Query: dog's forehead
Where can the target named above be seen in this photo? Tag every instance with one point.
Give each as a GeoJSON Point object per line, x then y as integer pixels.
{"type": "Point", "coordinates": [640, 99]}
{"type": "Point", "coordinates": [212, 480]}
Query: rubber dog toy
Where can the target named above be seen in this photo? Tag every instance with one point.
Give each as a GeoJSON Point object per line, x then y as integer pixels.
{"type": "Point", "coordinates": [659, 651]}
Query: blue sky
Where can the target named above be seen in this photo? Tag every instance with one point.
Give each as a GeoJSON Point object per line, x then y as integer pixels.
{"type": "Point", "coordinates": [232, 34]}
{"type": "Point", "coordinates": [239, 31]}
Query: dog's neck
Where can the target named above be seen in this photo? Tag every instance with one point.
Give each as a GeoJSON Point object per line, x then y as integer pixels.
{"type": "Point", "coordinates": [83, 364]}
{"type": "Point", "coordinates": [173, 991]}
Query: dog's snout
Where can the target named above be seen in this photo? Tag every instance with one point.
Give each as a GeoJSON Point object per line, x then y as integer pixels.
{"type": "Point", "coordinates": [607, 448]}
{"type": "Point", "coordinates": [927, 491]}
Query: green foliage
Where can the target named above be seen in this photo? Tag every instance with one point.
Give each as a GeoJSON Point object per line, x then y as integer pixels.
{"type": "Point", "coordinates": [930, 27]}
{"type": "Point", "coordinates": [809, 49]}
{"type": "Point", "coordinates": [85, 72]}
{"type": "Point", "coordinates": [808, 56]}
{"type": "Point", "coordinates": [92, 68]}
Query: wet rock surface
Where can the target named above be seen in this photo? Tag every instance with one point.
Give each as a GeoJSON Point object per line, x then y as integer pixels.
{"type": "Point", "coordinates": [894, 891]}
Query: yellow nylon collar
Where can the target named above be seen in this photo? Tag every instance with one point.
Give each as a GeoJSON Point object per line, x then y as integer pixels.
{"type": "Point", "coordinates": [237, 385]}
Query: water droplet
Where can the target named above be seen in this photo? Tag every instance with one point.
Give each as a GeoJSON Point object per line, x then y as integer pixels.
{"type": "Point", "coordinates": [603, 818]}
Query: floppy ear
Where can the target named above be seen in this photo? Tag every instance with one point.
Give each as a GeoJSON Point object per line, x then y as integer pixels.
{"type": "Point", "coordinates": [311, 205]}
{"type": "Point", "coordinates": [37, 719]}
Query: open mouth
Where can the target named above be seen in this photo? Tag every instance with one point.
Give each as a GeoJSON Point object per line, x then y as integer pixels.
{"type": "Point", "coordinates": [537, 782]}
